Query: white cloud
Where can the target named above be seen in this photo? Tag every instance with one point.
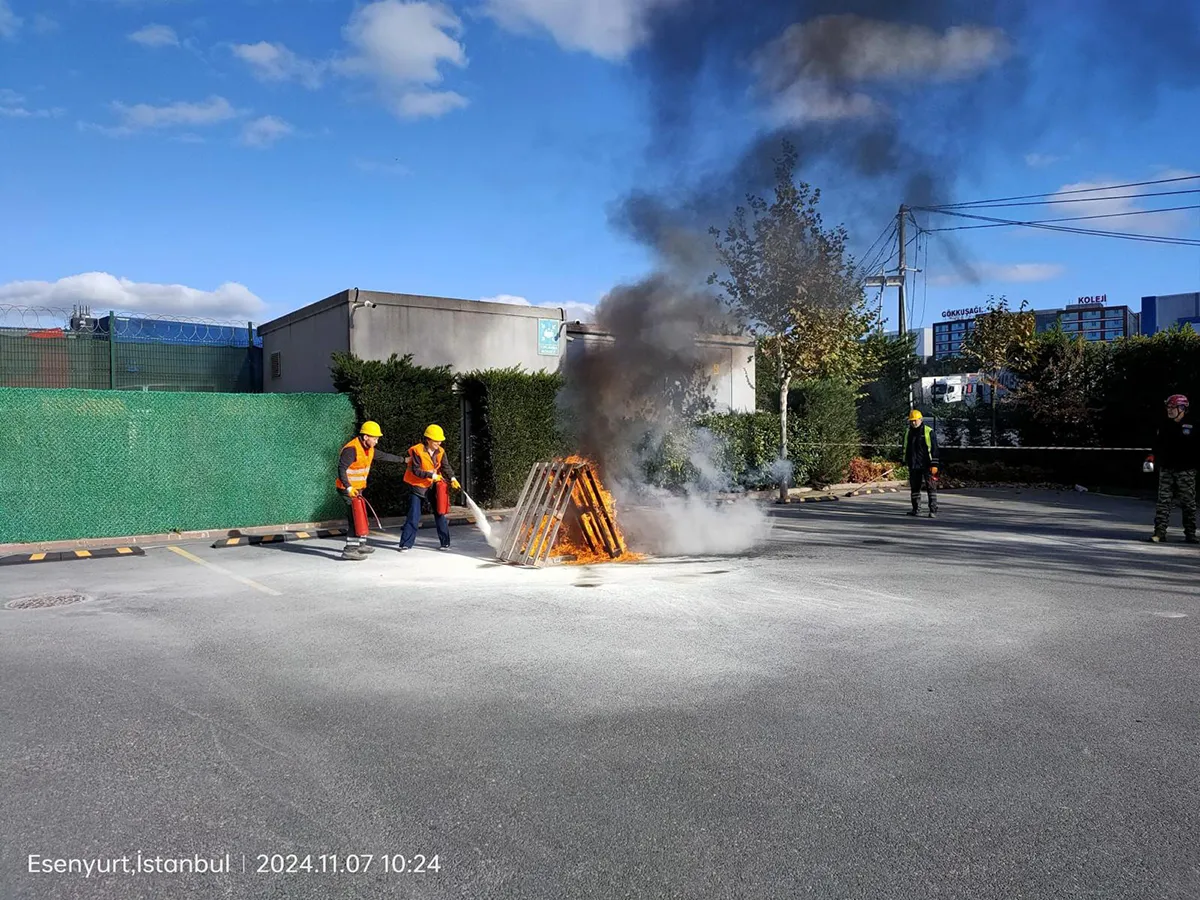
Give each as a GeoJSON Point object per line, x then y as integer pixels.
{"type": "Point", "coordinates": [818, 69]}
{"type": "Point", "coordinates": [427, 104]}
{"type": "Point", "coordinates": [155, 36]}
{"type": "Point", "coordinates": [265, 131]}
{"type": "Point", "coordinates": [275, 62]}
{"type": "Point", "coordinates": [1006, 273]}
{"type": "Point", "coordinates": [143, 116]}
{"type": "Point", "coordinates": [1102, 198]}
{"type": "Point", "coordinates": [609, 29]}
{"type": "Point", "coordinates": [13, 106]}
{"type": "Point", "coordinates": [581, 312]}
{"type": "Point", "coordinates": [402, 47]}
{"type": "Point", "coordinates": [10, 23]}
{"type": "Point", "coordinates": [1041, 160]}
{"type": "Point", "coordinates": [103, 291]}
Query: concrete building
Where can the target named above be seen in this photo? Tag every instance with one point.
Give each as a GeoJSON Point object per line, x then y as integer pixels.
{"type": "Point", "coordinates": [1163, 311]}
{"type": "Point", "coordinates": [1090, 319]}
{"type": "Point", "coordinates": [437, 331]}
{"type": "Point", "coordinates": [463, 334]}
{"type": "Point", "coordinates": [730, 359]}
{"type": "Point", "coordinates": [949, 337]}
{"type": "Point", "coordinates": [1095, 322]}
{"type": "Point", "coordinates": [924, 344]}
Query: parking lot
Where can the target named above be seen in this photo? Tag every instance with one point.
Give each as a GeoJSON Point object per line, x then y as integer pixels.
{"type": "Point", "coordinates": [1000, 703]}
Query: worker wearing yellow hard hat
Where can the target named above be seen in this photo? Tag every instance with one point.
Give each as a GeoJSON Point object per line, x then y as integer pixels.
{"type": "Point", "coordinates": [921, 458]}
{"type": "Point", "coordinates": [427, 469]}
{"type": "Point", "coordinates": [354, 466]}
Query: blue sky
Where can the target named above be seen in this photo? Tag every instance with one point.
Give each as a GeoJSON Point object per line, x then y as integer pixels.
{"type": "Point", "coordinates": [235, 160]}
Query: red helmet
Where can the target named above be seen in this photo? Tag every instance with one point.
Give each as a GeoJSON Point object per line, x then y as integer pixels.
{"type": "Point", "coordinates": [1177, 400]}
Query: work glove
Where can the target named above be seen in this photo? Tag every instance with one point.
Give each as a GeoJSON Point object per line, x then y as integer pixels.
{"type": "Point", "coordinates": [933, 471]}
{"type": "Point", "coordinates": [437, 476]}
{"type": "Point", "coordinates": [454, 484]}
{"type": "Point", "coordinates": [1148, 465]}
{"type": "Point", "coordinates": [352, 491]}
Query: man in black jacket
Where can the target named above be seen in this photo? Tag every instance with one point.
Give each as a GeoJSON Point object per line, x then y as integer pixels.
{"type": "Point", "coordinates": [921, 458]}
{"type": "Point", "coordinates": [1176, 453]}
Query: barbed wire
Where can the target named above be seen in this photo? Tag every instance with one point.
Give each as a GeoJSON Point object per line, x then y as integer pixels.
{"type": "Point", "coordinates": [126, 325]}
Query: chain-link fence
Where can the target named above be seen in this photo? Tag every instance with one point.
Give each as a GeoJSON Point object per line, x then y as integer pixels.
{"type": "Point", "coordinates": [58, 348]}
{"type": "Point", "coordinates": [88, 464]}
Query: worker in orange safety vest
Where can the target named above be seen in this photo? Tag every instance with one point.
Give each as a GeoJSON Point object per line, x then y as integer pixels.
{"type": "Point", "coordinates": [354, 465]}
{"type": "Point", "coordinates": [427, 466]}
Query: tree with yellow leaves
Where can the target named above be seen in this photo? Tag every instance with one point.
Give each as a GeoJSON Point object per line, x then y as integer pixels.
{"type": "Point", "coordinates": [792, 284]}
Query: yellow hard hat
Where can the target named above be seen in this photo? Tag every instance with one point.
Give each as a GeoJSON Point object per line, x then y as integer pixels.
{"type": "Point", "coordinates": [915, 416]}
{"type": "Point", "coordinates": [371, 429]}
{"type": "Point", "coordinates": [435, 433]}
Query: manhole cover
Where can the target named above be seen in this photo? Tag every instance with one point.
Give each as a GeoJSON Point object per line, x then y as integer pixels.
{"type": "Point", "coordinates": [44, 601]}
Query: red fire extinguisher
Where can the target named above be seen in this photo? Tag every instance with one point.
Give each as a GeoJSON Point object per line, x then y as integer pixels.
{"type": "Point", "coordinates": [358, 509]}
{"type": "Point", "coordinates": [441, 497]}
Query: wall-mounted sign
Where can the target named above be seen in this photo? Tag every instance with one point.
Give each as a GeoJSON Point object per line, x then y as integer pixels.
{"type": "Point", "coordinates": [548, 331]}
{"type": "Point", "coordinates": [962, 313]}
{"type": "Point", "coordinates": [1094, 300]}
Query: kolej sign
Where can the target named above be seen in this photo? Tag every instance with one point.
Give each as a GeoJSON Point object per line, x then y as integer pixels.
{"type": "Point", "coordinates": [1094, 300]}
{"type": "Point", "coordinates": [962, 313]}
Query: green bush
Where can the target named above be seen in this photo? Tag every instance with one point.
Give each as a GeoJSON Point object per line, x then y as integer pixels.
{"type": "Point", "coordinates": [827, 417]}
{"type": "Point", "coordinates": [513, 425]}
{"type": "Point", "coordinates": [404, 399]}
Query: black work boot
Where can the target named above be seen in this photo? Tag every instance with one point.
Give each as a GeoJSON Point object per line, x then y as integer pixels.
{"type": "Point", "coordinates": [1159, 537]}
{"type": "Point", "coordinates": [933, 513]}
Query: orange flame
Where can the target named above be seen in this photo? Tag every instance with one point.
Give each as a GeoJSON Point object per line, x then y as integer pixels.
{"type": "Point", "coordinates": [576, 539]}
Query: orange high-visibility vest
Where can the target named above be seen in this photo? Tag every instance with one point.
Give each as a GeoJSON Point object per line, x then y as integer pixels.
{"type": "Point", "coordinates": [426, 464]}
{"type": "Point", "coordinates": [357, 471]}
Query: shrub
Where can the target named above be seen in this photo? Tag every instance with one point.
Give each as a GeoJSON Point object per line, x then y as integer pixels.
{"type": "Point", "coordinates": [403, 398]}
{"type": "Point", "coordinates": [827, 422]}
{"type": "Point", "coordinates": [512, 426]}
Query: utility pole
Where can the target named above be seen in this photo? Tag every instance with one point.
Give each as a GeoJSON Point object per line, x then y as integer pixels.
{"type": "Point", "coordinates": [883, 280]}
{"type": "Point", "coordinates": [901, 217]}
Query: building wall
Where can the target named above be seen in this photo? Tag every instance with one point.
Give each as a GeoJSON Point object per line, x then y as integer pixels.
{"type": "Point", "coordinates": [1161, 312]}
{"type": "Point", "coordinates": [305, 341]}
{"type": "Point", "coordinates": [463, 334]}
{"type": "Point", "coordinates": [1098, 323]}
{"type": "Point", "coordinates": [731, 360]}
{"type": "Point", "coordinates": [924, 343]}
{"type": "Point", "coordinates": [948, 337]}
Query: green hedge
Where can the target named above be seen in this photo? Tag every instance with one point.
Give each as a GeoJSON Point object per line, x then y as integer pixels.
{"type": "Point", "coordinates": [404, 399]}
{"type": "Point", "coordinates": [513, 425]}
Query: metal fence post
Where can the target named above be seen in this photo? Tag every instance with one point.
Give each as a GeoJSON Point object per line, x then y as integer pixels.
{"type": "Point", "coordinates": [112, 350]}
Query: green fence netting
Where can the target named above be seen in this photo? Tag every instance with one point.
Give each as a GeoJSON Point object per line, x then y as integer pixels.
{"type": "Point", "coordinates": [101, 463]}
{"type": "Point", "coordinates": [54, 350]}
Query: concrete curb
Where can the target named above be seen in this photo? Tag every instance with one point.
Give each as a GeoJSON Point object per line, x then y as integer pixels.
{"type": "Point", "coordinates": [68, 555]}
{"type": "Point", "coordinates": [142, 541]}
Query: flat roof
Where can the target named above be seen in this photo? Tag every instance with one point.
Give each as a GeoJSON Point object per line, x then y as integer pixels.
{"type": "Point", "coordinates": [417, 301]}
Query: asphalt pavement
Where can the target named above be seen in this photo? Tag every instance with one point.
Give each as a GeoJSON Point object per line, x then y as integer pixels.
{"type": "Point", "coordinates": [1000, 703]}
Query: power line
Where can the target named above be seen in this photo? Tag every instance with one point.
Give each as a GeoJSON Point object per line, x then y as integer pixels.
{"type": "Point", "coordinates": [883, 243]}
{"type": "Point", "coordinates": [1135, 212]}
{"type": "Point", "coordinates": [1091, 190]}
{"type": "Point", "coordinates": [1145, 238]}
{"type": "Point", "coordinates": [1001, 205]}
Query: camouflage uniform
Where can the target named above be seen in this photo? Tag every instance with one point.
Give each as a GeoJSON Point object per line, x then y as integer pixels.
{"type": "Point", "coordinates": [1176, 452]}
{"type": "Point", "coordinates": [1176, 485]}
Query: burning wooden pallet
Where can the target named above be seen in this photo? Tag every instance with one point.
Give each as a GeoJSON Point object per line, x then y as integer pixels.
{"type": "Point", "coordinates": [558, 495]}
